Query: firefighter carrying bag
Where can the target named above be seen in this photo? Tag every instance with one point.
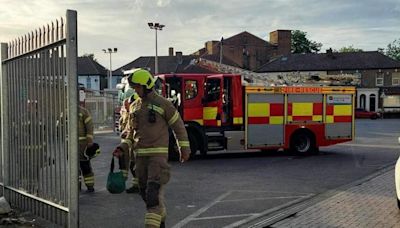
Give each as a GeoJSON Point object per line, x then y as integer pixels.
{"type": "Point", "coordinates": [115, 180]}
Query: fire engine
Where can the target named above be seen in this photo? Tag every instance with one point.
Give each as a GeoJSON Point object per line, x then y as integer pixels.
{"type": "Point", "coordinates": [224, 113]}
{"type": "Point", "coordinates": [221, 112]}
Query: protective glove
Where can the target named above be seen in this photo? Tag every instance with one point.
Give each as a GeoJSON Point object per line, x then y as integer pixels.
{"type": "Point", "coordinates": [117, 152]}
{"type": "Point", "coordinates": [185, 155]}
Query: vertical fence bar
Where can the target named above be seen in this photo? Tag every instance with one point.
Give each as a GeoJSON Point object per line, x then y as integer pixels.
{"type": "Point", "coordinates": [71, 42]}
{"type": "Point", "coordinates": [4, 118]}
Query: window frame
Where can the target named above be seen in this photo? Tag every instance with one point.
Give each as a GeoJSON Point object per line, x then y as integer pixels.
{"type": "Point", "coordinates": [379, 76]}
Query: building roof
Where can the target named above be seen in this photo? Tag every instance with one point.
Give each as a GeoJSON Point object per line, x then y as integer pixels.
{"type": "Point", "coordinates": [232, 40]}
{"type": "Point", "coordinates": [330, 61]}
{"type": "Point", "coordinates": [215, 58]}
{"type": "Point", "coordinates": [166, 65]}
{"type": "Point", "coordinates": [88, 66]}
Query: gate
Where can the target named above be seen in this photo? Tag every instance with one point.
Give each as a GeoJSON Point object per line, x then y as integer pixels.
{"type": "Point", "coordinates": [39, 106]}
{"type": "Point", "coordinates": [101, 106]}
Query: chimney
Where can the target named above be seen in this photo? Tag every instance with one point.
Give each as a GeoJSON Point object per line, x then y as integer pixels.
{"type": "Point", "coordinates": [171, 51]}
{"type": "Point", "coordinates": [178, 57]}
{"type": "Point", "coordinates": [329, 53]}
{"type": "Point", "coordinates": [283, 40]}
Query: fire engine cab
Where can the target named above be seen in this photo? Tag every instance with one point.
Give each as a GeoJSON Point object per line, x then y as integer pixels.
{"type": "Point", "coordinates": [223, 113]}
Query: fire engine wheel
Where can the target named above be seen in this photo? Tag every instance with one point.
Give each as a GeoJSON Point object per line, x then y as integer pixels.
{"type": "Point", "coordinates": [302, 143]}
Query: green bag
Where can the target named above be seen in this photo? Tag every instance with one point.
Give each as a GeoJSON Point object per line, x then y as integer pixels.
{"type": "Point", "coordinates": [115, 181]}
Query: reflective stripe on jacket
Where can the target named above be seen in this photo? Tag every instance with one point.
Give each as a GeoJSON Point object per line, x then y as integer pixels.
{"type": "Point", "coordinates": [153, 138]}
{"type": "Point", "coordinates": [85, 127]}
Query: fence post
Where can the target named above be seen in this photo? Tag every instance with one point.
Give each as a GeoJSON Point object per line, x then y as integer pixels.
{"type": "Point", "coordinates": [4, 118]}
{"type": "Point", "coordinates": [71, 45]}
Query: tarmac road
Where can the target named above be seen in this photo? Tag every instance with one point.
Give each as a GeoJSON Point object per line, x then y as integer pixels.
{"type": "Point", "coordinates": [227, 189]}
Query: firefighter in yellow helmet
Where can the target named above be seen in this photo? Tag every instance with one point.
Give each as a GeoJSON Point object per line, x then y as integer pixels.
{"type": "Point", "coordinates": [151, 117]}
{"type": "Point", "coordinates": [85, 128]}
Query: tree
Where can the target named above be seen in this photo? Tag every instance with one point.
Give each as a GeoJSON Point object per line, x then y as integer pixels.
{"type": "Point", "coordinates": [350, 49]}
{"type": "Point", "coordinates": [300, 43]}
{"type": "Point", "coordinates": [91, 56]}
{"type": "Point", "coordinates": [393, 50]}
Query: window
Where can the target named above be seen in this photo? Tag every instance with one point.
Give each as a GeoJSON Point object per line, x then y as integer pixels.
{"type": "Point", "coordinates": [191, 89]}
{"type": "Point", "coordinates": [213, 89]}
{"type": "Point", "coordinates": [379, 79]}
{"type": "Point", "coordinates": [88, 82]}
{"type": "Point", "coordinates": [396, 78]}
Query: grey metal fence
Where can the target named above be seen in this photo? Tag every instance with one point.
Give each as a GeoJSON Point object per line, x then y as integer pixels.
{"type": "Point", "coordinates": [101, 106]}
{"type": "Point", "coordinates": [39, 121]}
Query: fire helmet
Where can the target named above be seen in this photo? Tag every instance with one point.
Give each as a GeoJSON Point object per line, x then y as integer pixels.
{"type": "Point", "coordinates": [92, 151]}
{"type": "Point", "coordinates": [142, 77]}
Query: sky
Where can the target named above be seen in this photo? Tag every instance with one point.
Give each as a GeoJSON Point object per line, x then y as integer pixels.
{"type": "Point", "coordinates": [122, 24]}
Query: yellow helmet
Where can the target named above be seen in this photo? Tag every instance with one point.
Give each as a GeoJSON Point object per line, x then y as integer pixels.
{"type": "Point", "coordinates": [142, 77]}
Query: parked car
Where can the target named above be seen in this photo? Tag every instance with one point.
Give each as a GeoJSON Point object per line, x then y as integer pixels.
{"type": "Point", "coordinates": [362, 113]}
{"type": "Point", "coordinates": [397, 179]}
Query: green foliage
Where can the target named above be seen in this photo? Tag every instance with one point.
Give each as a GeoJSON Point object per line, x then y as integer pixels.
{"type": "Point", "coordinates": [301, 44]}
{"type": "Point", "coordinates": [393, 50]}
{"type": "Point", "coordinates": [91, 56]}
{"type": "Point", "coordinates": [350, 49]}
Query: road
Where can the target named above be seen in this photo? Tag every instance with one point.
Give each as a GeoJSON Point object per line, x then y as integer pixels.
{"type": "Point", "coordinates": [225, 189]}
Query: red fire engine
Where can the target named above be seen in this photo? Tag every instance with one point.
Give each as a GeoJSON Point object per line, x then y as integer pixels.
{"type": "Point", "coordinates": [221, 113]}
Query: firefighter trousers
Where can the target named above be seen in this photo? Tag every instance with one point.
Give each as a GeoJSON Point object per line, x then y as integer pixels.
{"type": "Point", "coordinates": [153, 173]}
{"type": "Point", "coordinates": [85, 167]}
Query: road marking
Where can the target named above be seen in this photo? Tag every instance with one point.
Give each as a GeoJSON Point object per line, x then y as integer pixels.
{"type": "Point", "coordinates": [220, 199]}
{"type": "Point", "coordinates": [266, 212]}
{"type": "Point", "coordinates": [371, 146]}
{"type": "Point", "coordinates": [225, 216]}
{"type": "Point", "coordinates": [200, 211]}
{"type": "Point", "coordinates": [264, 198]}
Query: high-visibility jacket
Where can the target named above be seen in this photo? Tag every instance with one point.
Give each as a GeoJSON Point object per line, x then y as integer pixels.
{"type": "Point", "coordinates": [152, 138]}
{"type": "Point", "coordinates": [85, 130]}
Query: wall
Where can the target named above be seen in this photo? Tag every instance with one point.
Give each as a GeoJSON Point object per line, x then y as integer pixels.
{"type": "Point", "coordinates": [94, 81]}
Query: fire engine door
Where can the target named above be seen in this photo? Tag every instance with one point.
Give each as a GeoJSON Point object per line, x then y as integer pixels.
{"type": "Point", "coordinates": [265, 120]}
{"type": "Point", "coordinates": [191, 98]}
{"type": "Point", "coordinates": [212, 100]}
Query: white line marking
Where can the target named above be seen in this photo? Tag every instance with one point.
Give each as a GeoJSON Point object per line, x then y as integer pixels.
{"type": "Point", "coordinates": [200, 211]}
{"type": "Point", "coordinates": [303, 193]}
{"type": "Point", "coordinates": [264, 198]}
{"type": "Point", "coordinates": [225, 216]}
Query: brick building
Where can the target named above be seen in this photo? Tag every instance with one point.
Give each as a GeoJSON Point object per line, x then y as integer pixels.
{"type": "Point", "coordinates": [248, 51]}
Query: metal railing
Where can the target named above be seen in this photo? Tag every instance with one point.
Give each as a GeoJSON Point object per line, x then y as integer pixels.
{"type": "Point", "coordinates": [101, 106]}
{"type": "Point", "coordinates": [39, 105]}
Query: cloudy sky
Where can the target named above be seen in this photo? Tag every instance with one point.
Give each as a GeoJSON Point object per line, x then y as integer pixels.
{"type": "Point", "coordinates": [365, 24]}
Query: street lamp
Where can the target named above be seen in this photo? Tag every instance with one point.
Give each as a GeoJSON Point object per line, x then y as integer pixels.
{"type": "Point", "coordinates": [110, 51]}
{"type": "Point", "coordinates": [156, 26]}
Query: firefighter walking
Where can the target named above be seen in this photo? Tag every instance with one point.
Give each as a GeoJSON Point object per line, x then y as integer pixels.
{"type": "Point", "coordinates": [85, 141]}
{"type": "Point", "coordinates": [151, 117]}
{"type": "Point", "coordinates": [127, 157]}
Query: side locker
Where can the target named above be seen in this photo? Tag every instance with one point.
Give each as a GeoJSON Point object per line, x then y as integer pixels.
{"type": "Point", "coordinates": [264, 120]}
{"type": "Point", "coordinates": [304, 108]}
{"type": "Point", "coordinates": [339, 116]}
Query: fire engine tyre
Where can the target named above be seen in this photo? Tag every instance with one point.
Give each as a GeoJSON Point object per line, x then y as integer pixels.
{"type": "Point", "coordinates": [303, 143]}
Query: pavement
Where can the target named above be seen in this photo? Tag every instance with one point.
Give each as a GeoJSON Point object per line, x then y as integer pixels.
{"type": "Point", "coordinates": [370, 202]}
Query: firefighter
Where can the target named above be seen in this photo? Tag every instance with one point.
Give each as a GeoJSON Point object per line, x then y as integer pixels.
{"type": "Point", "coordinates": [151, 116]}
{"type": "Point", "coordinates": [127, 158]}
{"type": "Point", "coordinates": [85, 141]}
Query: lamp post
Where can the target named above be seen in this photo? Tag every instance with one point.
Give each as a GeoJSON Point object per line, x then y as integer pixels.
{"type": "Point", "coordinates": [156, 26]}
{"type": "Point", "coordinates": [110, 51]}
